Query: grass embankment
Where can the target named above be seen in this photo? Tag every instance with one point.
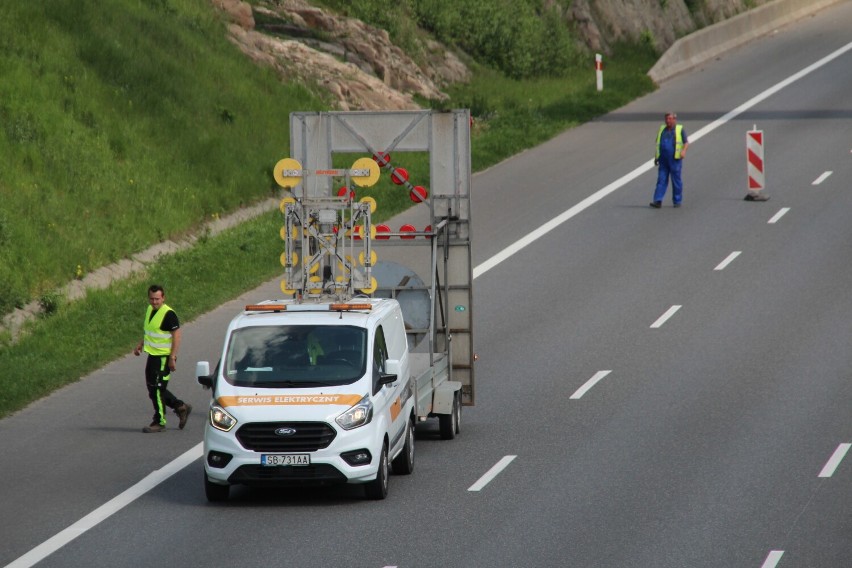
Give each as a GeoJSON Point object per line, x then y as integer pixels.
{"type": "Point", "coordinates": [150, 91]}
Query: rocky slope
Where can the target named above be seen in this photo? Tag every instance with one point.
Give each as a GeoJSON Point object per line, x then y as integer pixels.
{"type": "Point", "coordinates": [359, 68]}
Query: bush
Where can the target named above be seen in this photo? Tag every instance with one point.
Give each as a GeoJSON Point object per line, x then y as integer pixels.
{"type": "Point", "coordinates": [523, 39]}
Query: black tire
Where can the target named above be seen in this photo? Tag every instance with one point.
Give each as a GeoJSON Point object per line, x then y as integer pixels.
{"type": "Point", "coordinates": [449, 423]}
{"type": "Point", "coordinates": [458, 412]}
{"type": "Point", "coordinates": [404, 462]}
{"type": "Point", "coordinates": [378, 488]}
{"type": "Point", "coordinates": [215, 493]}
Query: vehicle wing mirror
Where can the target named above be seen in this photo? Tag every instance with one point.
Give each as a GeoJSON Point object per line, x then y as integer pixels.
{"type": "Point", "coordinates": [391, 373]}
{"type": "Point", "coordinates": [202, 374]}
{"type": "Point", "coordinates": [392, 367]}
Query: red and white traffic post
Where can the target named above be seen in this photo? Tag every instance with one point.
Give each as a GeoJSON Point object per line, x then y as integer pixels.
{"type": "Point", "coordinates": [599, 70]}
{"type": "Point", "coordinates": [755, 165]}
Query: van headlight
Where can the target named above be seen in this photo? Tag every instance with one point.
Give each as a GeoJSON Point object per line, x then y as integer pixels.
{"type": "Point", "coordinates": [358, 415]}
{"type": "Point", "coordinates": [220, 419]}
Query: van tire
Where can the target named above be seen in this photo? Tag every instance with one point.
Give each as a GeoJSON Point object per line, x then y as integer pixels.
{"type": "Point", "coordinates": [378, 488]}
{"type": "Point", "coordinates": [450, 423]}
{"type": "Point", "coordinates": [404, 462]}
{"type": "Point", "coordinates": [215, 493]}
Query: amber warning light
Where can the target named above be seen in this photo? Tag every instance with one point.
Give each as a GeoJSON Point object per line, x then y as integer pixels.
{"type": "Point", "coordinates": [307, 307]}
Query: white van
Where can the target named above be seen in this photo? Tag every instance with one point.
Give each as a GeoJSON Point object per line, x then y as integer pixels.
{"type": "Point", "coordinates": [310, 394]}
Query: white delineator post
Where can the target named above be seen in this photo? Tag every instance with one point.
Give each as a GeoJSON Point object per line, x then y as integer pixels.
{"type": "Point", "coordinates": [599, 70]}
{"type": "Point", "coordinates": [755, 165]}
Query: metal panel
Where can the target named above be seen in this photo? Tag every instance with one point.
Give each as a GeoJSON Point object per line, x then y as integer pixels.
{"type": "Point", "coordinates": [316, 136]}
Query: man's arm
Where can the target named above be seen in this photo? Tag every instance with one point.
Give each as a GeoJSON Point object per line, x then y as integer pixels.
{"type": "Point", "coordinates": [175, 348]}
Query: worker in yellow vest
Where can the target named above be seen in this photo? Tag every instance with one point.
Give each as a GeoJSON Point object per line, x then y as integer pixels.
{"type": "Point", "coordinates": [670, 150]}
{"type": "Point", "coordinates": [161, 341]}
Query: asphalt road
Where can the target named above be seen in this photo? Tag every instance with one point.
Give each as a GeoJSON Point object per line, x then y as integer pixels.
{"type": "Point", "coordinates": [656, 388]}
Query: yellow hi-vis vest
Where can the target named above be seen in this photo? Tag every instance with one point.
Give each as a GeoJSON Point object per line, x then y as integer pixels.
{"type": "Point", "coordinates": [157, 341]}
{"type": "Point", "coordinates": [678, 141]}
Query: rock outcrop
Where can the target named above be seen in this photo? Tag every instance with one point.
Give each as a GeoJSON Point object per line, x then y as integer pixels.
{"type": "Point", "coordinates": [359, 68]}
{"type": "Point", "coordinates": [357, 65]}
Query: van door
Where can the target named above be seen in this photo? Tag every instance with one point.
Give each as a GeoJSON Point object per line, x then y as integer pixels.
{"type": "Point", "coordinates": [386, 398]}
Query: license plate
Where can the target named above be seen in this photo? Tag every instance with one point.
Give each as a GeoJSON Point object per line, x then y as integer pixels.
{"type": "Point", "coordinates": [285, 459]}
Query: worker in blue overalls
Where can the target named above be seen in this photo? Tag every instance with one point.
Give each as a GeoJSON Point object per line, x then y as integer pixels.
{"type": "Point", "coordinates": [670, 150]}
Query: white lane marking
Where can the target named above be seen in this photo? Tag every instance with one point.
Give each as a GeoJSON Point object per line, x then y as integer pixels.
{"type": "Point", "coordinates": [821, 178]}
{"type": "Point", "coordinates": [773, 559]}
{"type": "Point", "coordinates": [781, 213]}
{"type": "Point", "coordinates": [106, 510]}
{"type": "Point", "coordinates": [624, 180]}
{"type": "Point", "coordinates": [729, 260]}
{"type": "Point", "coordinates": [664, 318]}
{"type": "Point", "coordinates": [594, 198]}
{"type": "Point", "coordinates": [831, 465]}
{"type": "Point", "coordinates": [536, 234]}
{"type": "Point", "coordinates": [589, 384]}
{"type": "Point", "coordinates": [491, 473]}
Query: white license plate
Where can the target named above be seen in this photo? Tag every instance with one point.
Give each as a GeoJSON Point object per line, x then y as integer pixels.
{"type": "Point", "coordinates": [285, 459]}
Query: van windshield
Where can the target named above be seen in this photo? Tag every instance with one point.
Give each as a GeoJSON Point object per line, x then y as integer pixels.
{"type": "Point", "coordinates": [295, 356]}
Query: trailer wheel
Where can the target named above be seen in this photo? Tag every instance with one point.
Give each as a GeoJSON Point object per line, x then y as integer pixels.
{"type": "Point", "coordinates": [215, 493]}
{"type": "Point", "coordinates": [404, 462]}
{"type": "Point", "coordinates": [378, 488]}
{"type": "Point", "coordinates": [449, 423]}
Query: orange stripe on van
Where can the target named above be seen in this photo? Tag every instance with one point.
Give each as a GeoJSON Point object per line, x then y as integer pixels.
{"type": "Point", "coordinates": [395, 409]}
{"type": "Point", "coordinates": [291, 399]}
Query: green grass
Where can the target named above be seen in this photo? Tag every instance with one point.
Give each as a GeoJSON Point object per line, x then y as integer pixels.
{"type": "Point", "coordinates": [125, 122]}
{"type": "Point", "coordinates": [512, 115]}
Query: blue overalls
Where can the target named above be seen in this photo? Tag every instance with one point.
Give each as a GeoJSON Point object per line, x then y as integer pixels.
{"type": "Point", "coordinates": [669, 166]}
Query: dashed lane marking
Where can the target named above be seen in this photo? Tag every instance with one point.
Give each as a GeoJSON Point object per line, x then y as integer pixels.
{"type": "Point", "coordinates": [728, 260]}
{"type": "Point", "coordinates": [781, 213]}
{"type": "Point", "coordinates": [589, 384]}
{"type": "Point", "coordinates": [665, 317]}
{"type": "Point", "coordinates": [821, 178]}
{"type": "Point", "coordinates": [772, 559]}
{"type": "Point", "coordinates": [491, 473]}
{"type": "Point", "coordinates": [831, 465]}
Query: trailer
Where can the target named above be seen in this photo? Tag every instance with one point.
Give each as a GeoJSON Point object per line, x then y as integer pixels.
{"type": "Point", "coordinates": [425, 265]}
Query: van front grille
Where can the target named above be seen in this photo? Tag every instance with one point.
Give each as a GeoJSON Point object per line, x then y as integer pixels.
{"type": "Point", "coordinates": [285, 436]}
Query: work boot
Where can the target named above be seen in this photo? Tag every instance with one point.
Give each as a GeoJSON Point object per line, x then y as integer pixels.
{"type": "Point", "coordinates": [154, 427]}
{"type": "Point", "coordinates": [183, 413]}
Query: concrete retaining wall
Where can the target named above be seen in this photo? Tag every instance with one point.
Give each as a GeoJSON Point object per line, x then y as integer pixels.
{"type": "Point", "coordinates": [710, 42]}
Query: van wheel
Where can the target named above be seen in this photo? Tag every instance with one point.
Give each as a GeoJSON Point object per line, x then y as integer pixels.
{"type": "Point", "coordinates": [378, 488]}
{"type": "Point", "coordinates": [404, 462]}
{"type": "Point", "coordinates": [215, 493]}
{"type": "Point", "coordinates": [450, 423]}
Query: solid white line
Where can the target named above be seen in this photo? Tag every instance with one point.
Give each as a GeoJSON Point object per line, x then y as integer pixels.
{"type": "Point", "coordinates": [589, 384]}
{"type": "Point", "coordinates": [821, 178]}
{"type": "Point", "coordinates": [729, 260]}
{"type": "Point", "coordinates": [773, 559]}
{"type": "Point", "coordinates": [838, 455]}
{"type": "Point", "coordinates": [781, 213]}
{"type": "Point", "coordinates": [624, 180]}
{"type": "Point", "coordinates": [491, 473]}
{"type": "Point", "coordinates": [536, 234]}
{"type": "Point", "coordinates": [664, 318]}
{"type": "Point", "coordinates": [109, 508]}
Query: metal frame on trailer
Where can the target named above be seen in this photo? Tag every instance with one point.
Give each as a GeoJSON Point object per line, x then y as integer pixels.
{"type": "Point", "coordinates": [314, 139]}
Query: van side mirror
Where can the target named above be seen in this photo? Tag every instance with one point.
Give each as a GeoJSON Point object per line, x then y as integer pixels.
{"type": "Point", "coordinates": [202, 374]}
{"type": "Point", "coordinates": [392, 366]}
{"type": "Point", "coordinates": [391, 373]}
{"type": "Point", "coordinates": [386, 379]}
